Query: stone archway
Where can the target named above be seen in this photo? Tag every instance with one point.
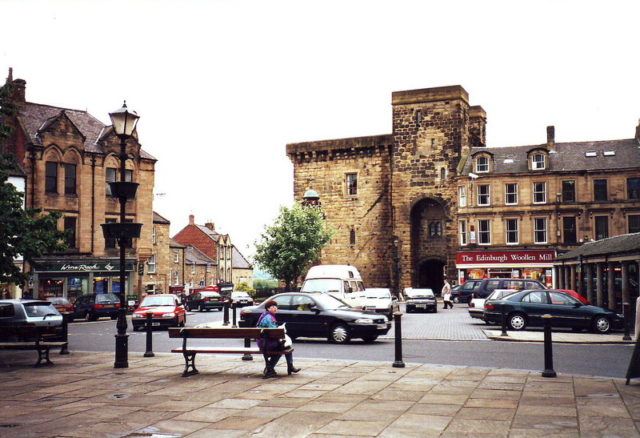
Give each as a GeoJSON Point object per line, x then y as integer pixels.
{"type": "Point", "coordinates": [431, 275]}
{"type": "Point", "coordinates": [428, 243]}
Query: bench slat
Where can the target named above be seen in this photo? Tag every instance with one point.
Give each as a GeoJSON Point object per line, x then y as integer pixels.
{"type": "Point", "coordinates": [228, 350]}
{"type": "Point", "coordinates": [225, 333]}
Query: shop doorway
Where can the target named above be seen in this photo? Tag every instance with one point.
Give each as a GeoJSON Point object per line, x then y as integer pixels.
{"type": "Point", "coordinates": [430, 275]}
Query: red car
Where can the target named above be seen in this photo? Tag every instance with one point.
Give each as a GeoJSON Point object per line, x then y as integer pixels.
{"type": "Point", "coordinates": [63, 306]}
{"type": "Point", "coordinates": [576, 295]}
{"type": "Point", "coordinates": [166, 311]}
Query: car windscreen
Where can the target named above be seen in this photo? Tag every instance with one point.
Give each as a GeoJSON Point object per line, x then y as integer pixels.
{"type": "Point", "coordinates": [420, 293]}
{"type": "Point", "coordinates": [240, 295]}
{"type": "Point", "coordinates": [104, 298]}
{"type": "Point", "coordinates": [321, 285]}
{"type": "Point", "coordinates": [157, 301]}
{"type": "Point", "coordinates": [40, 309]}
{"type": "Point", "coordinates": [378, 294]}
{"type": "Point", "coordinates": [329, 302]}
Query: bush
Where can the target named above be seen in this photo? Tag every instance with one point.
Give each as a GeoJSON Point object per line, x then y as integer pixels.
{"type": "Point", "coordinates": [243, 286]}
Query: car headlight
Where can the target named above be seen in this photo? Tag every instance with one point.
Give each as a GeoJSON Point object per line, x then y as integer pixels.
{"type": "Point", "coordinates": [138, 316]}
{"type": "Point", "coordinates": [168, 315]}
{"type": "Point", "coordinates": [364, 321]}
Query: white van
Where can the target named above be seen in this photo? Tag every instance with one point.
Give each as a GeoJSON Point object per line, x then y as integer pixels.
{"type": "Point", "coordinates": [341, 281]}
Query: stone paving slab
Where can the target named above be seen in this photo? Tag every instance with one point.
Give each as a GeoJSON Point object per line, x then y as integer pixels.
{"type": "Point", "coordinates": [83, 396]}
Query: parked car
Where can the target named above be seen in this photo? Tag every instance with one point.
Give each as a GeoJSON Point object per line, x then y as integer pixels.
{"type": "Point", "coordinates": [476, 305]}
{"type": "Point", "coordinates": [320, 315]}
{"type": "Point", "coordinates": [63, 306]}
{"type": "Point", "coordinates": [166, 311]}
{"type": "Point", "coordinates": [205, 301]}
{"type": "Point", "coordinates": [525, 308]}
{"type": "Point", "coordinates": [15, 314]}
{"type": "Point", "coordinates": [379, 300]}
{"type": "Point", "coordinates": [241, 298]}
{"type": "Point", "coordinates": [94, 306]}
{"type": "Point", "coordinates": [483, 287]}
{"type": "Point", "coordinates": [420, 299]}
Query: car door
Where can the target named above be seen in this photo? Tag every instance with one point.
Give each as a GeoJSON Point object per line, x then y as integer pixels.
{"type": "Point", "coordinates": [565, 312]}
{"type": "Point", "coordinates": [304, 320]}
{"type": "Point", "coordinates": [535, 304]}
{"type": "Point", "coordinates": [285, 314]}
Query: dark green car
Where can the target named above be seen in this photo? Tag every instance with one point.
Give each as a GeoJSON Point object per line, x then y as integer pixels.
{"type": "Point", "coordinates": [525, 308]}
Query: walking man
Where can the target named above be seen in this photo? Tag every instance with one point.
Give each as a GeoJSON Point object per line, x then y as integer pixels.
{"type": "Point", "coordinates": [446, 295]}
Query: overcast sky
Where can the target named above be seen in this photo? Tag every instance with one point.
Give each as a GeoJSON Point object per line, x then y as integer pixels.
{"type": "Point", "coordinates": [223, 86]}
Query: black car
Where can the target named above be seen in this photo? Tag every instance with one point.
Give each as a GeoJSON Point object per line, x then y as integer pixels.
{"type": "Point", "coordinates": [96, 306]}
{"type": "Point", "coordinates": [526, 308]}
{"type": "Point", "coordinates": [420, 299]}
{"type": "Point", "coordinates": [320, 315]}
{"type": "Point", "coordinates": [205, 300]}
{"type": "Point", "coordinates": [483, 287]}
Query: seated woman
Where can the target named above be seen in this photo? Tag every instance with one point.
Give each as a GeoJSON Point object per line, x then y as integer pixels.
{"type": "Point", "coordinates": [268, 320]}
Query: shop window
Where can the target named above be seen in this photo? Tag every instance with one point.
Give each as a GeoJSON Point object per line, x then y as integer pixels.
{"type": "Point", "coordinates": [634, 223]}
{"type": "Point", "coordinates": [482, 164]}
{"type": "Point", "coordinates": [463, 232]}
{"type": "Point", "coordinates": [484, 194]}
{"type": "Point", "coordinates": [511, 193]}
{"type": "Point", "coordinates": [484, 232]}
{"type": "Point", "coordinates": [352, 184]}
{"type": "Point", "coordinates": [462, 196]}
{"type": "Point", "coordinates": [70, 229]}
{"type": "Point", "coordinates": [512, 231]}
{"type": "Point", "coordinates": [539, 192]}
{"type": "Point", "coordinates": [51, 177]}
{"type": "Point", "coordinates": [633, 188]}
{"type": "Point", "coordinates": [540, 230]}
{"type": "Point", "coordinates": [435, 229]}
{"type": "Point", "coordinates": [538, 162]}
{"type": "Point", "coordinates": [569, 231]}
{"type": "Point", "coordinates": [568, 191]}
{"type": "Point", "coordinates": [69, 179]}
{"type": "Point", "coordinates": [602, 227]}
{"type": "Point", "coordinates": [600, 190]}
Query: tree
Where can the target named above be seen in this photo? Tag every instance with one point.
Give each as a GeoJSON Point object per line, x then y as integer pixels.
{"type": "Point", "coordinates": [293, 242]}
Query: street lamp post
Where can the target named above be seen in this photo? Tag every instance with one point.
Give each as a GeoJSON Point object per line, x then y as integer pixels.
{"type": "Point", "coordinates": [124, 123]}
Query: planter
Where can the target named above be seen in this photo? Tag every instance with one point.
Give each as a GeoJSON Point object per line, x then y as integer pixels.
{"type": "Point", "coordinates": [127, 230]}
{"type": "Point", "coordinates": [124, 189]}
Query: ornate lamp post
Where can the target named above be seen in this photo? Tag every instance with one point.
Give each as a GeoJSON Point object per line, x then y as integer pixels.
{"type": "Point", "coordinates": [124, 124]}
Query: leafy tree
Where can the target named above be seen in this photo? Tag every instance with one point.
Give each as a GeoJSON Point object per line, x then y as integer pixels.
{"type": "Point", "coordinates": [293, 242]}
{"type": "Point", "coordinates": [243, 286]}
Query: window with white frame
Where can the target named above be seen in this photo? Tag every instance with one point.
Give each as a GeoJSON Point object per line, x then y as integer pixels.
{"type": "Point", "coordinates": [539, 192]}
{"type": "Point", "coordinates": [463, 232]}
{"type": "Point", "coordinates": [154, 235]}
{"type": "Point", "coordinates": [484, 232]}
{"type": "Point", "coordinates": [152, 264]}
{"type": "Point", "coordinates": [176, 278]}
{"type": "Point", "coordinates": [482, 164]}
{"type": "Point", "coordinates": [540, 230]}
{"type": "Point", "coordinates": [193, 268]}
{"type": "Point", "coordinates": [352, 184]}
{"type": "Point", "coordinates": [462, 196]}
{"type": "Point", "coordinates": [176, 257]}
{"type": "Point", "coordinates": [513, 236]}
{"type": "Point", "coordinates": [511, 194]}
{"type": "Point", "coordinates": [538, 162]}
{"type": "Point", "coordinates": [484, 194]}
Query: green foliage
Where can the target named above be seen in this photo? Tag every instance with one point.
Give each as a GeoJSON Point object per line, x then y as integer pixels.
{"type": "Point", "coordinates": [7, 110]}
{"type": "Point", "coordinates": [264, 284]}
{"type": "Point", "coordinates": [292, 243]}
{"type": "Point", "coordinates": [243, 286]}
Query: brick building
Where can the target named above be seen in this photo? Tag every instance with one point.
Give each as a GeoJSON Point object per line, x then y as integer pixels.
{"type": "Point", "coordinates": [431, 199]}
{"type": "Point", "coordinates": [68, 157]}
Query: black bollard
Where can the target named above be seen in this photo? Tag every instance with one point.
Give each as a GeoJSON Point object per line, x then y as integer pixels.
{"type": "Point", "coordinates": [65, 335]}
{"type": "Point", "coordinates": [225, 309]}
{"type": "Point", "coordinates": [149, 327]}
{"type": "Point", "coordinates": [233, 313]}
{"type": "Point", "coordinates": [504, 324]}
{"type": "Point", "coordinates": [626, 310]}
{"type": "Point", "coordinates": [398, 331]}
{"type": "Point", "coordinates": [548, 349]}
{"type": "Point", "coordinates": [247, 344]}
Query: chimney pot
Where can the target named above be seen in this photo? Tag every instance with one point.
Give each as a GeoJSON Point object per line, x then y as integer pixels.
{"type": "Point", "coordinates": [192, 219]}
{"type": "Point", "coordinates": [551, 137]}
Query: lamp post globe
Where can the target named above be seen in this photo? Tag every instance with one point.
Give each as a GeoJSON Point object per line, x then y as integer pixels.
{"type": "Point", "coordinates": [124, 121]}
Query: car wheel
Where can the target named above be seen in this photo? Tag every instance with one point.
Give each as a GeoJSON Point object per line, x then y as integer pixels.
{"type": "Point", "coordinates": [369, 339]}
{"type": "Point", "coordinates": [456, 300]}
{"type": "Point", "coordinates": [601, 324]}
{"type": "Point", "coordinates": [340, 334]}
{"type": "Point", "coordinates": [517, 321]}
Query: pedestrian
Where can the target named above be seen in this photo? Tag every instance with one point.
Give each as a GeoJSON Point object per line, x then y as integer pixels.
{"type": "Point", "coordinates": [446, 295]}
{"type": "Point", "coordinates": [268, 320]}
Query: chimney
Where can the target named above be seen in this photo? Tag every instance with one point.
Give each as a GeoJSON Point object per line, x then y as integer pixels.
{"type": "Point", "coordinates": [10, 77]}
{"type": "Point", "coordinates": [210, 225]}
{"type": "Point", "coordinates": [551, 138]}
{"type": "Point", "coordinates": [192, 219]}
{"type": "Point", "coordinates": [638, 133]}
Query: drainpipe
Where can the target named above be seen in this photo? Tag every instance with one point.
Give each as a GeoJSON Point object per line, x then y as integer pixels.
{"type": "Point", "coordinates": [93, 202]}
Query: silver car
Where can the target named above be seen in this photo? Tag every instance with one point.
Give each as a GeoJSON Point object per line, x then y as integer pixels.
{"type": "Point", "coordinates": [17, 313]}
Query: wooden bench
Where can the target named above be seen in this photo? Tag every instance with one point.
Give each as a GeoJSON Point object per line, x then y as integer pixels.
{"type": "Point", "coordinates": [30, 337]}
{"type": "Point", "coordinates": [189, 353]}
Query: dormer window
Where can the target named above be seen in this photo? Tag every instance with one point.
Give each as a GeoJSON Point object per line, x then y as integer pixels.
{"type": "Point", "coordinates": [538, 162]}
{"type": "Point", "coordinates": [482, 164]}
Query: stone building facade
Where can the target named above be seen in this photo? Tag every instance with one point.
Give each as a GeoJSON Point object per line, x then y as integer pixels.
{"type": "Point", "coordinates": [68, 157]}
{"type": "Point", "coordinates": [394, 201]}
{"type": "Point", "coordinates": [159, 268]}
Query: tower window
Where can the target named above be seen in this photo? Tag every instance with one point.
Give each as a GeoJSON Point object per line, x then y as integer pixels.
{"type": "Point", "coordinates": [419, 116]}
{"type": "Point", "coordinates": [435, 229]}
{"type": "Point", "coordinates": [352, 237]}
{"type": "Point", "coordinates": [352, 184]}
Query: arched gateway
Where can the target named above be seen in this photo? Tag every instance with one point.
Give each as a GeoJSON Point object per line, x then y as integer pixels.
{"type": "Point", "coordinates": [428, 243]}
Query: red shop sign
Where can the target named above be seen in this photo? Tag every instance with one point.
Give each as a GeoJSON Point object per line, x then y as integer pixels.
{"type": "Point", "coordinates": [475, 258]}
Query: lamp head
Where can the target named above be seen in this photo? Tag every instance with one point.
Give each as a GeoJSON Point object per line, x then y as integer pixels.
{"type": "Point", "coordinates": [124, 121]}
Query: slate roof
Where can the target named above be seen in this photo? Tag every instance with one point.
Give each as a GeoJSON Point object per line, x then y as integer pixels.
{"type": "Point", "coordinates": [174, 244]}
{"type": "Point", "coordinates": [238, 261]}
{"type": "Point", "coordinates": [214, 235]}
{"type": "Point", "coordinates": [34, 116]}
{"type": "Point", "coordinates": [157, 219]}
{"type": "Point", "coordinates": [568, 156]}
{"type": "Point", "coordinates": [194, 255]}
{"type": "Point", "coordinates": [613, 245]}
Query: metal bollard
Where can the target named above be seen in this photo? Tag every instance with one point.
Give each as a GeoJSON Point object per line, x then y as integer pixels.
{"type": "Point", "coordinates": [65, 335]}
{"type": "Point", "coordinates": [504, 324]}
{"type": "Point", "coordinates": [398, 334]}
{"type": "Point", "coordinates": [247, 344]}
{"type": "Point", "coordinates": [235, 320]}
{"type": "Point", "coordinates": [626, 310]}
{"type": "Point", "coordinates": [548, 348]}
{"type": "Point", "coordinates": [149, 328]}
{"type": "Point", "coordinates": [225, 309]}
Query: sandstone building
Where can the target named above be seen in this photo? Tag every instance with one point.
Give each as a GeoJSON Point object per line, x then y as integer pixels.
{"type": "Point", "coordinates": [431, 199]}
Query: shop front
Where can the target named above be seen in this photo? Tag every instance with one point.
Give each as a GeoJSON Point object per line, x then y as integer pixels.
{"type": "Point", "coordinates": [72, 277]}
{"type": "Point", "coordinates": [534, 264]}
